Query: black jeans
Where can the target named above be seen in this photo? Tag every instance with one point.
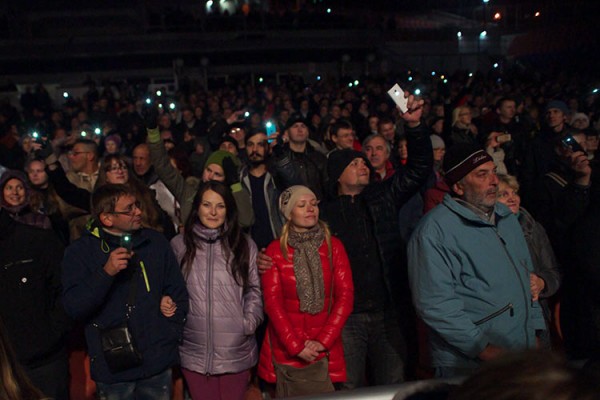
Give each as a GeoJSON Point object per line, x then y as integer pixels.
{"type": "Point", "coordinates": [374, 339]}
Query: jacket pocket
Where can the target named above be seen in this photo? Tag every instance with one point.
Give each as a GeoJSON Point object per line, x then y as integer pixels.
{"type": "Point", "coordinates": [508, 307]}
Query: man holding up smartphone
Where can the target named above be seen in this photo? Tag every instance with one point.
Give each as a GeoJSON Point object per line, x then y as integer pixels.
{"type": "Point", "coordinates": [562, 195]}
{"type": "Point", "coordinates": [106, 275]}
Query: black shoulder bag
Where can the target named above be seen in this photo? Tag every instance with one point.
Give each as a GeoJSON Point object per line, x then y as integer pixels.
{"type": "Point", "coordinates": [118, 344]}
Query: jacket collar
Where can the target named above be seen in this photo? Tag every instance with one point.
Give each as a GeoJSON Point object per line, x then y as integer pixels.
{"type": "Point", "coordinates": [500, 211]}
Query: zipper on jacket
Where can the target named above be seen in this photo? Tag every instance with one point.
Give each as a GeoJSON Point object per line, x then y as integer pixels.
{"type": "Point", "coordinates": [493, 315]}
{"type": "Point", "coordinates": [516, 269]}
{"type": "Point", "coordinates": [209, 270]}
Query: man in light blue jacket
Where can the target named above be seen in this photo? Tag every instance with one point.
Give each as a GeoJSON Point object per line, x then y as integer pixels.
{"type": "Point", "coordinates": [469, 270]}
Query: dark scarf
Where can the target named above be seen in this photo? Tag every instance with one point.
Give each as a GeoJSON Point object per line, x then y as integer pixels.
{"type": "Point", "coordinates": [308, 268]}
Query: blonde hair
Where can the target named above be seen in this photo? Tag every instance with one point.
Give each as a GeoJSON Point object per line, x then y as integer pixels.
{"type": "Point", "coordinates": [285, 232]}
{"type": "Point", "coordinates": [510, 181]}
{"type": "Point", "coordinates": [456, 113]}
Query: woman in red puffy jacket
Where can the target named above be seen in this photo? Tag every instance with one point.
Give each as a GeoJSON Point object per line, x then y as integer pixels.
{"type": "Point", "coordinates": [298, 289]}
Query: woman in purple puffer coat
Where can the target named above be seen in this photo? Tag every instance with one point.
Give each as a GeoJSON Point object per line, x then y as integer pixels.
{"type": "Point", "coordinates": [219, 265]}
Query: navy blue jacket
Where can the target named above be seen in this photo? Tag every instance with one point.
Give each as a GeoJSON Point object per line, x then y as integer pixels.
{"type": "Point", "coordinates": [93, 296]}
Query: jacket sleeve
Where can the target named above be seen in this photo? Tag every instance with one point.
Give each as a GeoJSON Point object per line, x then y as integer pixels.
{"type": "Point", "coordinates": [432, 285]}
{"type": "Point", "coordinates": [274, 305]}
{"type": "Point", "coordinates": [174, 285]}
{"type": "Point", "coordinates": [244, 205]}
{"type": "Point", "coordinates": [406, 183]}
{"type": "Point", "coordinates": [67, 191]}
{"type": "Point", "coordinates": [51, 259]}
{"type": "Point", "coordinates": [548, 269]}
{"type": "Point", "coordinates": [172, 179]}
{"type": "Point", "coordinates": [343, 296]}
{"type": "Point", "coordinates": [85, 283]}
{"type": "Point", "coordinates": [253, 307]}
{"type": "Point", "coordinates": [216, 132]}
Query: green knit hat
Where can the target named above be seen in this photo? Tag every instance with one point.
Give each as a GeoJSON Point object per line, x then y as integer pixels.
{"type": "Point", "coordinates": [218, 156]}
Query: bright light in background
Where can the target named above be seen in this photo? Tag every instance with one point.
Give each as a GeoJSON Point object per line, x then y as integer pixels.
{"type": "Point", "coordinates": [497, 16]}
{"type": "Point", "coordinates": [329, 11]}
{"type": "Point", "coordinates": [483, 34]}
{"type": "Point", "coordinates": [495, 65]}
{"type": "Point", "coordinates": [595, 90]}
{"type": "Point", "coordinates": [537, 14]}
{"type": "Point", "coordinates": [410, 78]}
{"type": "Point", "coordinates": [442, 76]}
{"type": "Point", "coordinates": [35, 135]}
{"type": "Point", "coordinates": [83, 133]}
{"type": "Point", "coordinates": [486, 1]}
{"type": "Point", "coordinates": [97, 131]}
{"type": "Point", "coordinates": [417, 91]}
{"type": "Point", "coordinates": [432, 73]}
{"type": "Point", "coordinates": [160, 105]}
{"type": "Point", "coordinates": [459, 34]}
{"type": "Point", "coordinates": [318, 77]}
{"type": "Point", "coordinates": [148, 100]}
{"type": "Point", "coordinates": [159, 93]}
{"type": "Point", "coordinates": [269, 124]}
{"type": "Point", "coordinates": [65, 95]}
{"type": "Point", "coordinates": [470, 74]}
{"type": "Point", "coordinates": [350, 84]}
{"type": "Point", "coordinates": [260, 79]}
{"type": "Point", "coordinates": [172, 106]}
{"type": "Point", "coordinates": [445, 80]}
{"type": "Point", "coordinates": [356, 83]}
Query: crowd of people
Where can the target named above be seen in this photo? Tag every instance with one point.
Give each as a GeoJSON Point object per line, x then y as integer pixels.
{"type": "Point", "coordinates": [298, 237]}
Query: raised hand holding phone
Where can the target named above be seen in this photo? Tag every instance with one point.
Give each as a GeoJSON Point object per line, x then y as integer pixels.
{"type": "Point", "coordinates": [397, 94]}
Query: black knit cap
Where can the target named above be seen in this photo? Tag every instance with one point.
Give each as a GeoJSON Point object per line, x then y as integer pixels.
{"type": "Point", "coordinates": [294, 119]}
{"type": "Point", "coordinates": [338, 161]}
{"type": "Point", "coordinates": [462, 158]}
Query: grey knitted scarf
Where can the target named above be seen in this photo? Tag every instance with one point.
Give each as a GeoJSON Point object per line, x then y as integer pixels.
{"type": "Point", "coordinates": [308, 268]}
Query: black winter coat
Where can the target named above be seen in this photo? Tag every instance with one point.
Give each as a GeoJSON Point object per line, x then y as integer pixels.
{"type": "Point", "coordinates": [30, 292]}
{"type": "Point", "coordinates": [98, 299]}
{"type": "Point", "coordinates": [383, 201]}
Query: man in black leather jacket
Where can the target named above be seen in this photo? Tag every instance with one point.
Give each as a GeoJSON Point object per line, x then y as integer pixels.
{"type": "Point", "coordinates": [296, 161]}
{"type": "Point", "coordinates": [363, 214]}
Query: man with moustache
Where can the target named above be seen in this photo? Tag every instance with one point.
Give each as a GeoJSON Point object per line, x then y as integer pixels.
{"type": "Point", "coordinates": [469, 269]}
{"type": "Point", "coordinates": [256, 178]}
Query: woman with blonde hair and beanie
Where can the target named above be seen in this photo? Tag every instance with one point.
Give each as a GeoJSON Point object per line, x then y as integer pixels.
{"type": "Point", "coordinates": [308, 295]}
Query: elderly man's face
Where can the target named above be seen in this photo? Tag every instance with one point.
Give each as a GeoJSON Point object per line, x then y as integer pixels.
{"type": "Point", "coordinates": [479, 187]}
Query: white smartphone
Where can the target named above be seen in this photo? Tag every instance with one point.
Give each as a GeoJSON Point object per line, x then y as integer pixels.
{"type": "Point", "coordinates": [397, 94]}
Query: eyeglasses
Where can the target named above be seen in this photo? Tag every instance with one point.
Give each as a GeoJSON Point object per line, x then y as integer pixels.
{"type": "Point", "coordinates": [117, 167]}
{"type": "Point", "coordinates": [129, 210]}
{"type": "Point", "coordinates": [75, 153]}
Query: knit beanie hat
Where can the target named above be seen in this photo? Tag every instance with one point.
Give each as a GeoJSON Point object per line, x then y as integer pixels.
{"type": "Point", "coordinates": [289, 197]}
{"type": "Point", "coordinates": [218, 156]}
{"type": "Point", "coordinates": [230, 140]}
{"type": "Point", "coordinates": [461, 159]}
{"type": "Point", "coordinates": [559, 105]}
{"type": "Point", "coordinates": [437, 142]}
{"type": "Point", "coordinates": [113, 138]}
{"type": "Point", "coordinates": [338, 161]}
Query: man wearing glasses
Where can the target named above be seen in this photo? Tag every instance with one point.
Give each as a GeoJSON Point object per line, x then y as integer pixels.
{"type": "Point", "coordinates": [83, 164]}
{"type": "Point", "coordinates": [104, 278]}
